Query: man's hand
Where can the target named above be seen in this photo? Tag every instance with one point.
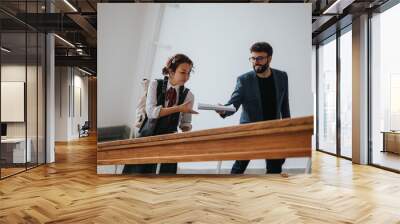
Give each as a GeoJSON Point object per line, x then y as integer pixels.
{"type": "Point", "coordinates": [187, 108]}
{"type": "Point", "coordinates": [220, 112]}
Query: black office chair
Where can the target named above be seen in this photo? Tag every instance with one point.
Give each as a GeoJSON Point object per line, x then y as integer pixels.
{"type": "Point", "coordinates": [84, 130]}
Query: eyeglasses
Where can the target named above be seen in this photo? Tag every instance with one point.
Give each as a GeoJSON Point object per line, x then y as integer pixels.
{"type": "Point", "coordinates": [259, 58]}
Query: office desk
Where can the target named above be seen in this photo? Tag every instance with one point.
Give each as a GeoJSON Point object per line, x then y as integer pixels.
{"type": "Point", "coordinates": [13, 150]}
{"type": "Point", "coordinates": [391, 141]}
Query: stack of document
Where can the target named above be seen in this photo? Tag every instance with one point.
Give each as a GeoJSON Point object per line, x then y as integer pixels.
{"type": "Point", "coordinates": [203, 106]}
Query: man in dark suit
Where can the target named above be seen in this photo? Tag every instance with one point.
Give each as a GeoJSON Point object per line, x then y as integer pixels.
{"type": "Point", "coordinates": [263, 94]}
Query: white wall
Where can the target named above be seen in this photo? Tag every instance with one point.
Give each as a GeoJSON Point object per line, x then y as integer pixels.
{"type": "Point", "coordinates": [219, 46]}
{"type": "Point", "coordinates": [66, 121]}
{"type": "Point", "coordinates": [81, 114]}
{"type": "Point", "coordinates": [125, 56]}
{"type": "Point", "coordinates": [17, 73]}
{"type": "Point", "coordinates": [217, 37]}
{"type": "Point", "coordinates": [61, 103]}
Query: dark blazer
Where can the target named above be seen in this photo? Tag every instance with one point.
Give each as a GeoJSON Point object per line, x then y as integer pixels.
{"type": "Point", "coordinates": [247, 95]}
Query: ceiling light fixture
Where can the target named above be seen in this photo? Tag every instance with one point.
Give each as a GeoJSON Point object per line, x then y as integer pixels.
{"type": "Point", "coordinates": [5, 50]}
{"type": "Point", "coordinates": [338, 6]}
{"type": "Point", "coordinates": [65, 41]}
{"type": "Point", "coordinates": [84, 71]}
{"type": "Point", "coordinates": [70, 5]}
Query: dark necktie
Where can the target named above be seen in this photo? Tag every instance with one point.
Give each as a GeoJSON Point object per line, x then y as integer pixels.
{"type": "Point", "coordinates": [171, 97]}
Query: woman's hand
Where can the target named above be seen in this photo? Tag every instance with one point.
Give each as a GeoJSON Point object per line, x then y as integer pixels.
{"type": "Point", "coordinates": [185, 129]}
{"type": "Point", "coordinates": [187, 108]}
{"type": "Point", "coordinates": [183, 108]}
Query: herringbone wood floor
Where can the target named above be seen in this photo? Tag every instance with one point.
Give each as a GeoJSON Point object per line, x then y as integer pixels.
{"type": "Point", "coordinates": [69, 191]}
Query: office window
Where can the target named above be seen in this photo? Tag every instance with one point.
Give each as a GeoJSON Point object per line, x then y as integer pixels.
{"type": "Point", "coordinates": [385, 89]}
{"type": "Point", "coordinates": [346, 94]}
{"type": "Point", "coordinates": [327, 96]}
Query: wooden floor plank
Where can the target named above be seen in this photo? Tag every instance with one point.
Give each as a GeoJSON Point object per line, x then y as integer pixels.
{"type": "Point", "coordinates": [70, 191]}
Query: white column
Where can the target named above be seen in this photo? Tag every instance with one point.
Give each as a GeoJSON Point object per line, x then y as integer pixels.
{"type": "Point", "coordinates": [50, 100]}
{"type": "Point", "coordinates": [360, 90]}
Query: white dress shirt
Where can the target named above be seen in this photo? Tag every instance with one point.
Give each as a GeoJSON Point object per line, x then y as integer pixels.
{"type": "Point", "coordinates": [153, 111]}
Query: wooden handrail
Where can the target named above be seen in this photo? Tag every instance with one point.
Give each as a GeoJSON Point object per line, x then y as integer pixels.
{"type": "Point", "coordinates": [267, 139]}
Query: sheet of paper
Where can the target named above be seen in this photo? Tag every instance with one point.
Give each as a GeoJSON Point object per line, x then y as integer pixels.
{"type": "Point", "coordinates": [203, 106]}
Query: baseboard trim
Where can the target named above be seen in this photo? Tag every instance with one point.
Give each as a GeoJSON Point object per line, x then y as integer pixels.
{"type": "Point", "coordinates": [228, 171]}
{"type": "Point", "coordinates": [112, 170]}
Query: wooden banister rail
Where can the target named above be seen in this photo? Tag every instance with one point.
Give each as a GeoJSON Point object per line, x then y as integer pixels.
{"type": "Point", "coordinates": [268, 139]}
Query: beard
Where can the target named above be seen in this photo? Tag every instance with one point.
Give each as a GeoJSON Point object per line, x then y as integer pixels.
{"type": "Point", "coordinates": [260, 68]}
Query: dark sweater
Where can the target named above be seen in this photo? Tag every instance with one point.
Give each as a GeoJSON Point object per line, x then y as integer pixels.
{"type": "Point", "coordinates": [268, 97]}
